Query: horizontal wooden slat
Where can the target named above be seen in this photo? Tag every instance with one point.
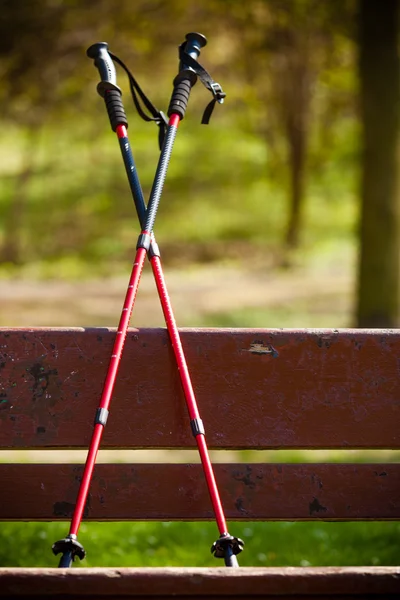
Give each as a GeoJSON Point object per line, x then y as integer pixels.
{"type": "Point", "coordinates": [303, 583]}
{"type": "Point", "coordinates": [171, 492]}
{"type": "Point", "coordinates": [255, 388]}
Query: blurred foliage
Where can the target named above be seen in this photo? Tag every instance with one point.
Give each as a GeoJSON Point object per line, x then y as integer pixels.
{"type": "Point", "coordinates": [64, 193]}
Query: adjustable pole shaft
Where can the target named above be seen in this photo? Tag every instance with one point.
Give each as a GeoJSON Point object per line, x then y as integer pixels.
{"type": "Point", "coordinates": [193, 411]}
{"type": "Point", "coordinates": [171, 324]}
{"type": "Point", "coordinates": [228, 554]}
{"type": "Point", "coordinates": [143, 246]}
{"type": "Point", "coordinates": [108, 389]}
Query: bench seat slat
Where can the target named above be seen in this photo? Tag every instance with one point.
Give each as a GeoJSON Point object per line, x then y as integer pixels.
{"type": "Point", "coordinates": [178, 491]}
{"type": "Point", "coordinates": [302, 583]}
{"type": "Point", "coordinates": [255, 388]}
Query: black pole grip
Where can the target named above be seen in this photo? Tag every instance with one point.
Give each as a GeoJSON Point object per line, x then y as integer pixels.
{"type": "Point", "coordinates": [107, 88]}
{"type": "Point", "coordinates": [115, 109]}
{"type": "Point", "coordinates": [105, 66]}
{"type": "Point", "coordinates": [186, 78]}
{"type": "Point", "coordinates": [180, 96]}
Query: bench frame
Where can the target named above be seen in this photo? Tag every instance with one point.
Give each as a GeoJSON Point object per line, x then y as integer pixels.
{"type": "Point", "coordinates": [304, 389]}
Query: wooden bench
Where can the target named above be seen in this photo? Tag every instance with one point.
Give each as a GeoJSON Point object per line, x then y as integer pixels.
{"type": "Point", "coordinates": [256, 389]}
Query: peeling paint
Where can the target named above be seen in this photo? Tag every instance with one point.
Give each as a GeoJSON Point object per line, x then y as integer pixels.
{"type": "Point", "coordinates": [246, 478]}
{"type": "Point", "coordinates": [42, 379]}
{"type": "Point", "coordinates": [66, 509]}
{"type": "Point", "coordinates": [316, 480]}
{"type": "Point", "coordinates": [324, 341]}
{"type": "Point", "coordinates": [258, 347]}
{"type": "Point", "coordinates": [239, 506]}
{"type": "Point", "coordinates": [316, 507]}
{"type": "Point", "coordinates": [63, 509]}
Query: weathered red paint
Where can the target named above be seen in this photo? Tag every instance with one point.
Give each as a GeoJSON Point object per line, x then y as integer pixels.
{"type": "Point", "coordinates": [255, 388]}
{"type": "Point", "coordinates": [176, 491]}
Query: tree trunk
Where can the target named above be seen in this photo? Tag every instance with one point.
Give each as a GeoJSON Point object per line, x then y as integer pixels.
{"type": "Point", "coordinates": [378, 276]}
{"type": "Point", "coordinates": [296, 135]}
{"type": "Point", "coordinates": [293, 81]}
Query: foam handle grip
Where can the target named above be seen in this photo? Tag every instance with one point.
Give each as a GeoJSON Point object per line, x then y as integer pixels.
{"type": "Point", "coordinates": [115, 109]}
{"type": "Point", "coordinates": [180, 96]}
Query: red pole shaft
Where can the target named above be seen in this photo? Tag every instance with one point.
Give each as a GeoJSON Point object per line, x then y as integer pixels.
{"type": "Point", "coordinates": [108, 388]}
{"type": "Point", "coordinates": [188, 391]}
{"type": "Point", "coordinates": [118, 345]}
{"type": "Point", "coordinates": [183, 369]}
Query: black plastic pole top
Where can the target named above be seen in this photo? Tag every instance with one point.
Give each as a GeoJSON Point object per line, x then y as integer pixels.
{"type": "Point", "coordinates": [107, 88]}
{"type": "Point", "coordinates": [194, 43]}
{"type": "Point", "coordinates": [102, 60]}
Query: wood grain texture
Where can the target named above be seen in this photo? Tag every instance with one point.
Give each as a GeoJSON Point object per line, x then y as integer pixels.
{"type": "Point", "coordinates": [286, 582]}
{"type": "Point", "coordinates": [255, 388]}
{"type": "Point", "coordinates": [173, 492]}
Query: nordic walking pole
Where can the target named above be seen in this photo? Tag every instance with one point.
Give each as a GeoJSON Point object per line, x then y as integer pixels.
{"type": "Point", "coordinates": [69, 546]}
{"type": "Point", "coordinates": [226, 546]}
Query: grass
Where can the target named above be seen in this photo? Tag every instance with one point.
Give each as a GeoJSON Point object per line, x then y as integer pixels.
{"type": "Point", "coordinates": [188, 544]}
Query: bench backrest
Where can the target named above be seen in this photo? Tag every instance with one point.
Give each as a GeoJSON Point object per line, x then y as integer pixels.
{"type": "Point", "coordinates": [256, 389]}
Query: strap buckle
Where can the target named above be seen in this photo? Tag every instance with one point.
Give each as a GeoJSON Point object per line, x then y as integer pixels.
{"type": "Point", "coordinates": [217, 92]}
{"type": "Point", "coordinates": [162, 119]}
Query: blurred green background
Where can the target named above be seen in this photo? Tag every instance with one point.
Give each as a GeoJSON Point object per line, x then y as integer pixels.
{"type": "Point", "coordinates": [269, 187]}
{"type": "Point", "coordinates": [259, 223]}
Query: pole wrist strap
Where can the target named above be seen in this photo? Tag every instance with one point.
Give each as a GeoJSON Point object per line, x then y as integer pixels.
{"type": "Point", "coordinates": [156, 115]}
{"type": "Point", "coordinates": [206, 79]}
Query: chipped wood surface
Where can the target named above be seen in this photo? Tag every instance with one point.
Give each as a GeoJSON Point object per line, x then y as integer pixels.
{"type": "Point", "coordinates": [284, 388]}
{"type": "Point", "coordinates": [173, 492]}
{"type": "Point", "coordinates": [286, 582]}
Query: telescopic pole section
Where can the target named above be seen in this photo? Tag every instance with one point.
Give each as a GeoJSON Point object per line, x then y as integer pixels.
{"type": "Point", "coordinates": [226, 546]}
{"type": "Point", "coordinates": [196, 422]}
{"type": "Point", "coordinates": [102, 411]}
{"type": "Point", "coordinates": [69, 546]}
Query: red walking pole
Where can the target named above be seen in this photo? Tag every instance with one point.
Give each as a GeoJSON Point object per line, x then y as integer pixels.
{"type": "Point", "coordinates": [226, 546]}
{"type": "Point", "coordinates": [69, 546]}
